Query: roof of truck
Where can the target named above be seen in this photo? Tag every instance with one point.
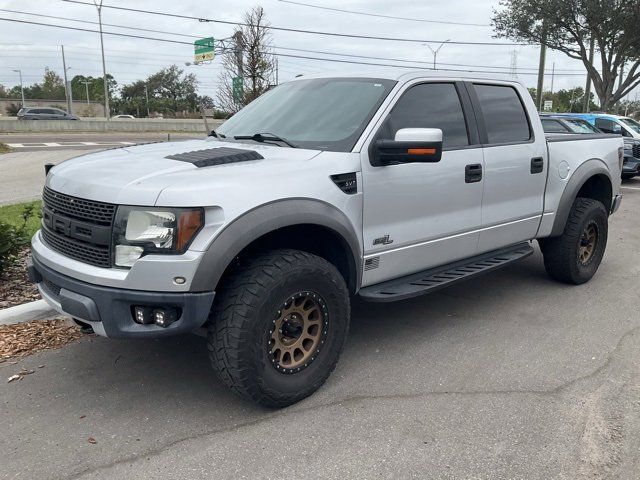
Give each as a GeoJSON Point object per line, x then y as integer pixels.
{"type": "Point", "coordinates": [404, 75]}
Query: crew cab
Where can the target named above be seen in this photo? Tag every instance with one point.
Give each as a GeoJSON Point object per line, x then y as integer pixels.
{"type": "Point", "coordinates": [320, 190]}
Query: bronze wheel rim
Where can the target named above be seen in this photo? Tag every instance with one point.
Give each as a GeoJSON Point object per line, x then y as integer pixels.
{"type": "Point", "coordinates": [588, 243]}
{"type": "Point", "coordinates": [298, 332]}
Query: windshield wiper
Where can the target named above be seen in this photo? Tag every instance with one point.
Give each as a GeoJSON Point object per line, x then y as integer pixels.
{"type": "Point", "coordinates": [215, 134]}
{"type": "Point", "coordinates": [265, 137]}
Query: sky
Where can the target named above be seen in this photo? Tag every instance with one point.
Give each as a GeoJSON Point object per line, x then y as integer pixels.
{"type": "Point", "coordinates": [32, 48]}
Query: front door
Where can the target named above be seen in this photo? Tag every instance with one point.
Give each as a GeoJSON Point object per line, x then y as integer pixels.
{"type": "Point", "coordinates": [421, 215]}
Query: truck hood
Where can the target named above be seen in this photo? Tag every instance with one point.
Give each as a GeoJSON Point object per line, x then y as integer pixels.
{"type": "Point", "coordinates": [138, 175]}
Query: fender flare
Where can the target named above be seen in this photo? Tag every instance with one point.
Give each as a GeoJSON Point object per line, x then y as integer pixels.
{"type": "Point", "coordinates": [582, 174]}
{"type": "Point", "coordinates": [265, 219]}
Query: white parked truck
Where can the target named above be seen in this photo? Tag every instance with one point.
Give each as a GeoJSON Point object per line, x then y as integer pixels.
{"type": "Point", "coordinates": [319, 190]}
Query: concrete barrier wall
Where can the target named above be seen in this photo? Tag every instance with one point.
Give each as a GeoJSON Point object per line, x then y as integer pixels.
{"type": "Point", "coordinates": [97, 125]}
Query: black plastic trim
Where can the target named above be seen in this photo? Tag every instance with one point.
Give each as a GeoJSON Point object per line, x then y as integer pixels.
{"type": "Point", "coordinates": [112, 306]}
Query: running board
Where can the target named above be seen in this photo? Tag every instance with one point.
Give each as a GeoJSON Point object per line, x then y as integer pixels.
{"type": "Point", "coordinates": [436, 278]}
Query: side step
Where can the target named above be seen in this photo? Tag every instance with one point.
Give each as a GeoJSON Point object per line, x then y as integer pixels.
{"type": "Point", "coordinates": [436, 278]}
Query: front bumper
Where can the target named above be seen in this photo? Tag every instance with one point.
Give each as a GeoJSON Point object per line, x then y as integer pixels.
{"type": "Point", "coordinates": [109, 310]}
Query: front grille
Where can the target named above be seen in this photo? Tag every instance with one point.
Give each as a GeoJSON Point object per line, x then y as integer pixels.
{"type": "Point", "coordinates": [51, 287]}
{"type": "Point", "coordinates": [100, 256]}
{"type": "Point", "coordinates": [78, 208]}
{"type": "Point", "coordinates": [68, 222]}
{"type": "Point", "coordinates": [636, 150]}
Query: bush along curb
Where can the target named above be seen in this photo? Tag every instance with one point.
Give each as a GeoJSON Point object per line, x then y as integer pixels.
{"type": "Point", "coordinates": [38, 310]}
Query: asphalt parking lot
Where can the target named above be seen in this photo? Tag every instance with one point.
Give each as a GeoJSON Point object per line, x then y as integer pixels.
{"type": "Point", "coordinates": [510, 376]}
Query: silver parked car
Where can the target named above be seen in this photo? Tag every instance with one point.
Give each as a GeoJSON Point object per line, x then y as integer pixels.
{"type": "Point", "coordinates": [42, 113]}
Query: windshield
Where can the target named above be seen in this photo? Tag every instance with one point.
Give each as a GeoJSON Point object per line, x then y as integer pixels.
{"type": "Point", "coordinates": [581, 126]}
{"type": "Point", "coordinates": [320, 114]}
{"type": "Point", "coordinates": [632, 124]}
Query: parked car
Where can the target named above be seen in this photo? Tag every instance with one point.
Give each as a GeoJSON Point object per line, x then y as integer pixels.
{"type": "Point", "coordinates": [123, 117]}
{"type": "Point", "coordinates": [614, 124]}
{"type": "Point", "coordinates": [44, 113]}
{"type": "Point", "coordinates": [386, 188]}
{"type": "Point", "coordinates": [566, 125]}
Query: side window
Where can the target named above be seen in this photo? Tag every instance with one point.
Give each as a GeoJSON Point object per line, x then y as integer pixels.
{"type": "Point", "coordinates": [504, 115]}
{"type": "Point", "coordinates": [608, 126]}
{"type": "Point", "coordinates": [430, 105]}
{"type": "Point", "coordinates": [553, 126]}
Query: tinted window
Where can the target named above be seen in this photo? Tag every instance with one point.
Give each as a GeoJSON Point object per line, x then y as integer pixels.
{"type": "Point", "coordinates": [608, 126]}
{"type": "Point", "coordinates": [504, 115]}
{"type": "Point", "coordinates": [581, 126]}
{"type": "Point", "coordinates": [35, 110]}
{"type": "Point", "coordinates": [553, 126]}
{"type": "Point", "coordinates": [430, 105]}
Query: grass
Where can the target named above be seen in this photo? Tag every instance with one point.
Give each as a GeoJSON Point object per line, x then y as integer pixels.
{"type": "Point", "coordinates": [12, 214]}
{"type": "Point", "coordinates": [4, 148]}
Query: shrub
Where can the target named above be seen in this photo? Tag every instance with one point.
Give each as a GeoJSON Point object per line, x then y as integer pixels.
{"type": "Point", "coordinates": [14, 238]}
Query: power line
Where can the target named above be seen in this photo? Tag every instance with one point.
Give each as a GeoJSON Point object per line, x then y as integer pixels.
{"type": "Point", "coordinates": [277, 48]}
{"type": "Point", "coordinates": [385, 16]}
{"type": "Point", "coordinates": [354, 62]}
{"type": "Point", "coordinates": [96, 23]}
{"type": "Point", "coordinates": [293, 30]}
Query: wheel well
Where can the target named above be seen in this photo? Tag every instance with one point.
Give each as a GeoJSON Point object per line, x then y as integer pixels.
{"type": "Point", "coordinates": [316, 239]}
{"type": "Point", "coordinates": [598, 188]}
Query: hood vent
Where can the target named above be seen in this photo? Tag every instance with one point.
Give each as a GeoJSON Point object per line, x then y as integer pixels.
{"type": "Point", "coordinates": [216, 156]}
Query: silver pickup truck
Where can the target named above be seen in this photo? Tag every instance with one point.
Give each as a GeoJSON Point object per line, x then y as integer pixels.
{"type": "Point", "coordinates": [320, 190]}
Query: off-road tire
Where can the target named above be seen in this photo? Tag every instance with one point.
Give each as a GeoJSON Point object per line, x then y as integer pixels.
{"type": "Point", "coordinates": [562, 254]}
{"type": "Point", "coordinates": [243, 317]}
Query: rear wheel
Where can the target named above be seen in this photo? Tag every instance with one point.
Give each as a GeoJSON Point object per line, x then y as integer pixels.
{"type": "Point", "coordinates": [574, 256]}
{"type": "Point", "coordinates": [280, 322]}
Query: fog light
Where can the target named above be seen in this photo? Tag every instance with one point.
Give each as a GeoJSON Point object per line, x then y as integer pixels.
{"type": "Point", "coordinates": [143, 315]}
{"type": "Point", "coordinates": [164, 317]}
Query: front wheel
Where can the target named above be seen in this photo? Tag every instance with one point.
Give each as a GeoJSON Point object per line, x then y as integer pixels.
{"type": "Point", "coordinates": [279, 324]}
{"type": "Point", "coordinates": [574, 256]}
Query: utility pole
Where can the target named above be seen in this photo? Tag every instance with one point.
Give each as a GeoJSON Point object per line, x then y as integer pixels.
{"type": "Point", "coordinates": [107, 114]}
{"type": "Point", "coordinates": [543, 58]}
{"type": "Point", "coordinates": [435, 52]}
{"type": "Point", "coordinates": [587, 89]}
{"type": "Point", "coordinates": [553, 74]}
{"type": "Point", "coordinates": [67, 89]}
{"type": "Point", "coordinates": [146, 95]}
{"type": "Point", "coordinates": [21, 86]}
{"type": "Point", "coordinates": [86, 85]}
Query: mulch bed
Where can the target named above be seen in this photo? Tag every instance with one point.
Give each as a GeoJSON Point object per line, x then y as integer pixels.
{"type": "Point", "coordinates": [26, 338]}
{"type": "Point", "coordinates": [15, 288]}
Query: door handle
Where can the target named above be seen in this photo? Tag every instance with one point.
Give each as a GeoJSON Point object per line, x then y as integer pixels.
{"type": "Point", "coordinates": [537, 165]}
{"type": "Point", "coordinates": [473, 173]}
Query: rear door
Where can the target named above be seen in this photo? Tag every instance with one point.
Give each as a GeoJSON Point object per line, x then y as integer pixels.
{"type": "Point", "coordinates": [515, 166]}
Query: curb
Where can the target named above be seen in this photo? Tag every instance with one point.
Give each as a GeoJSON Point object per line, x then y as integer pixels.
{"type": "Point", "coordinates": [38, 310]}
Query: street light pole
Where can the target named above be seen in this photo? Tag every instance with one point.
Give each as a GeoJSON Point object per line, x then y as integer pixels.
{"type": "Point", "coordinates": [435, 52]}
{"type": "Point", "coordinates": [107, 113]}
{"type": "Point", "coordinates": [21, 86]}
{"type": "Point", "coordinates": [86, 86]}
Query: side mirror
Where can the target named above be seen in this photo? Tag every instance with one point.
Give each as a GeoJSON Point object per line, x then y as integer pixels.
{"type": "Point", "coordinates": [410, 145]}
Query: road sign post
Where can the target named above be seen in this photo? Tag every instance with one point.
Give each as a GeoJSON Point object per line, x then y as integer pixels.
{"type": "Point", "coordinates": [238, 89]}
{"type": "Point", "coordinates": [203, 50]}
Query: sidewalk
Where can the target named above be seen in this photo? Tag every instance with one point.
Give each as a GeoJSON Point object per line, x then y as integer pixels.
{"type": "Point", "coordinates": [22, 173]}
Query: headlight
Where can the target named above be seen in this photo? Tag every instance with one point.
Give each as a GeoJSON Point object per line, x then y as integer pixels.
{"type": "Point", "coordinates": [138, 231]}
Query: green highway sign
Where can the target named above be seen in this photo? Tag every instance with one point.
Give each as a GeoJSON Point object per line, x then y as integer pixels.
{"type": "Point", "coordinates": [203, 49]}
{"type": "Point", "coordinates": [238, 89]}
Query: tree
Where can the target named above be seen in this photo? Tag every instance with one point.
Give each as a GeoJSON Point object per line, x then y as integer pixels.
{"type": "Point", "coordinates": [258, 64]}
{"type": "Point", "coordinates": [52, 86]}
{"type": "Point", "coordinates": [176, 86]}
{"type": "Point", "coordinates": [568, 26]}
{"type": "Point", "coordinates": [96, 88]}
